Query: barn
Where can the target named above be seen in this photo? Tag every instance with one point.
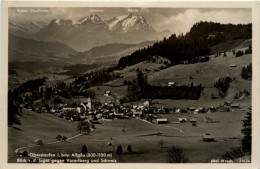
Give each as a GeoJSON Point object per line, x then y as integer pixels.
{"type": "Point", "coordinates": [235, 106]}
{"type": "Point", "coordinates": [161, 120]}
{"type": "Point", "coordinates": [182, 120]}
{"type": "Point", "coordinates": [193, 120]}
{"type": "Point", "coordinates": [171, 84]}
{"type": "Point", "coordinates": [107, 93]}
{"type": "Point", "coordinates": [208, 137]}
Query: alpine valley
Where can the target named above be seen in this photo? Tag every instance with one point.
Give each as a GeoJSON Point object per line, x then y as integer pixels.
{"type": "Point", "coordinates": [88, 32]}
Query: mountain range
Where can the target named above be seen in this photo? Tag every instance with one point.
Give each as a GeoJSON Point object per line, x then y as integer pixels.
{"type": "Point", "coordinates": [30, 50]}
{"type": "Point", "coordinates": [23, 50]}
{"type": "Point", "coordinates": [88, 32]}
{"type": "Point", "coordinates": [108, 53]}
{"type": "Point", "coordinates": [24, 29]}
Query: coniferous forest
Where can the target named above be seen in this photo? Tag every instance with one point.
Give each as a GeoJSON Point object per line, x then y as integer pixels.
{"type": "Point", "coordinates": [192, 46]}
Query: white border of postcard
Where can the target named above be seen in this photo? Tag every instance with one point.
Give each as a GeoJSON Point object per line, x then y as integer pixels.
{"type": "Point", "coordinates": [175, 4]}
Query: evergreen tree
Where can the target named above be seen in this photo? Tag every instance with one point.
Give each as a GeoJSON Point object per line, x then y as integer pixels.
{"type": "Point", "coordinates": [84, 149]}
{"type": "Point", "coordinates": [247, 132]}
{"type": "Point", "coordinates": [129, 148]}
{"type": "Point", "coordinates": [13, 112]}
{"type": "Point", "coordinates": [119, 150]}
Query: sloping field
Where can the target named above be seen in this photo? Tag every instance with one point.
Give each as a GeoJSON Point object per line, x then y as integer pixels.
{"type": "Point", "coordinates": [45, 127]}
{"type": "Point", "coordinates": [207, 74]}
{"type": "Point", "coordinates": [141, 135]}
{"type": "Point", "coordinates": [117, 87]}
{"type": "Point", "coordinates": [230, 45]}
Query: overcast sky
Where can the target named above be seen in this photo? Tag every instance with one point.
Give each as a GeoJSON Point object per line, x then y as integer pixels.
{"type": "Point", "coordinates": [177, 20]}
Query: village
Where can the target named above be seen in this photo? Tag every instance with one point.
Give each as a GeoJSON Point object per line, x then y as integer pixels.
{"type": "Point", "coordinates": [146, 111]}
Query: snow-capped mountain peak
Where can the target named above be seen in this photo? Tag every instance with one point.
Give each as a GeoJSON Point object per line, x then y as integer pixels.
{"type": "Point", "coordinates": [128, 23]}
{"type": "Point", "coordinates": [61, 22]}
{"type": "Point", "coordinates": [92, 18]}
{"type": "Point", "coordinates": [113, 22]}
{"type": "Point", "coordinates": [95, 18]}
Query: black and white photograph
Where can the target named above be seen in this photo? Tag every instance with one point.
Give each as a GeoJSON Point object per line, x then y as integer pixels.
{"type": "Point", "coordinates": [129, 84]}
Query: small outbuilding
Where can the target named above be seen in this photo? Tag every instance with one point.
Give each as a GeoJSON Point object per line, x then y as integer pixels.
{"type": "Point", "coordinates": [208, 137]}
{"type": "Point", "coordinates": [107, 93]}
{"type": "Point", "coordinates": [191, 108]}
{"type": "Point", "coordinates": [161, 120]}
{"type": "Point", "coordinates": [178, 110]}
{"type": "Point", "coordinates": [193, 121]}
{"type": "Point", "coordinates": [235, 106]}
{"type": "Point", "coordinates": [182, 120]}
{"type": "Point", "coordinates": [171, 84]}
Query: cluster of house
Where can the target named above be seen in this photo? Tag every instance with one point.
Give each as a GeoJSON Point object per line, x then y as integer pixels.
{"type": "Point", "coordinates": [115, 110]}
{"type": "Point", "coordinates": [226, 107]}
{"type": "Point", "coordinates": [110, 110]}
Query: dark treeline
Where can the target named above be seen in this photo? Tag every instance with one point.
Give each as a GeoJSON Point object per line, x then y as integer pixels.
{"type": "Point", "coordinates": [95, 78]}
{"type": "Point", "coordinates": [247, 132]}
{"type": "Point", "coordinates": [223, 85]}
{"type": "Point", "coordinates": [30, 85]}
{"type": "Point", "coordinates": [78, 69]}
{"type": "Point", "coordinates": [246, 72]}
{"type": "Point", "coordinates": [191, 46]}
{"type": "Point", "coordinates": [15, 98]}
{"type": "Point", "coordinates": [140, 88]}
{"type": "Point", "coordinates": [71, 90]}
{"type": "Point", "coordinates": [13, 111]}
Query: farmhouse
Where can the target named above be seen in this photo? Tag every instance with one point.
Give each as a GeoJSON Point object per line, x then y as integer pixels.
{"type": "Point", "coordinates": [182, 120]}
{"type": "Point", "coordinates": [161, 120]}
{"type": "Point", "coordinates": [235, 106]}
{"type": "Point", "coordinates": [185, 62]}
{"type": "Point", "coordinates": [44, 110]}
{"type": "Point", "coordinates": [146, 103]}
{"type": "Point", "coordinates": [137, 113]}
{"type": "Point", "coordinates": [213, 109]}
{"type": "Point", "coordinates": [198, 110]}
{"type": "Point", "coordinates": [171, 84]}
{"type": "Point", "coordinates": [191, 108]}
{"type": "Point", "coordinates": [178, 110]}
{"type": "Point", "coordinates": [161, 111]}
{"type": "Point", "coordinates": [53, 111]}
{"type": "Point", "coordinates": [134, 107]}
{"type": "Point", "coordinates": [38, 142]}
{"type": "Point", "coordinates": [208, 137]}
{"type": "Point", "coordinates": [107, 93]}
{"type": "Point", "coordinates": [140, 107]}
{"type": "Point", "coordinates": [227, 103]}
{"type": "Point", "coordinates": [193, 120]}
{"type": "Point", "coordinates": [67, 108]}
{"type": "Point", "coordinates": [119, 115]}
{"type": "Point", "coordinates": [94, 121]}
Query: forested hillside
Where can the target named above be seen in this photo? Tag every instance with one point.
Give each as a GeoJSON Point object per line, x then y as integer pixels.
{"type": "Point", "coordinates": [192, 47]}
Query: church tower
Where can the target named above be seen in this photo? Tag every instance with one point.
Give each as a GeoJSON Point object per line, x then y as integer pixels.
{"type": "Point", "coordinates": [89, 104]}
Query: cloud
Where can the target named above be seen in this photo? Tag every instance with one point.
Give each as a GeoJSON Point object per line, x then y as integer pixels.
{"type": "Point", "coordinates": [182, 22]}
